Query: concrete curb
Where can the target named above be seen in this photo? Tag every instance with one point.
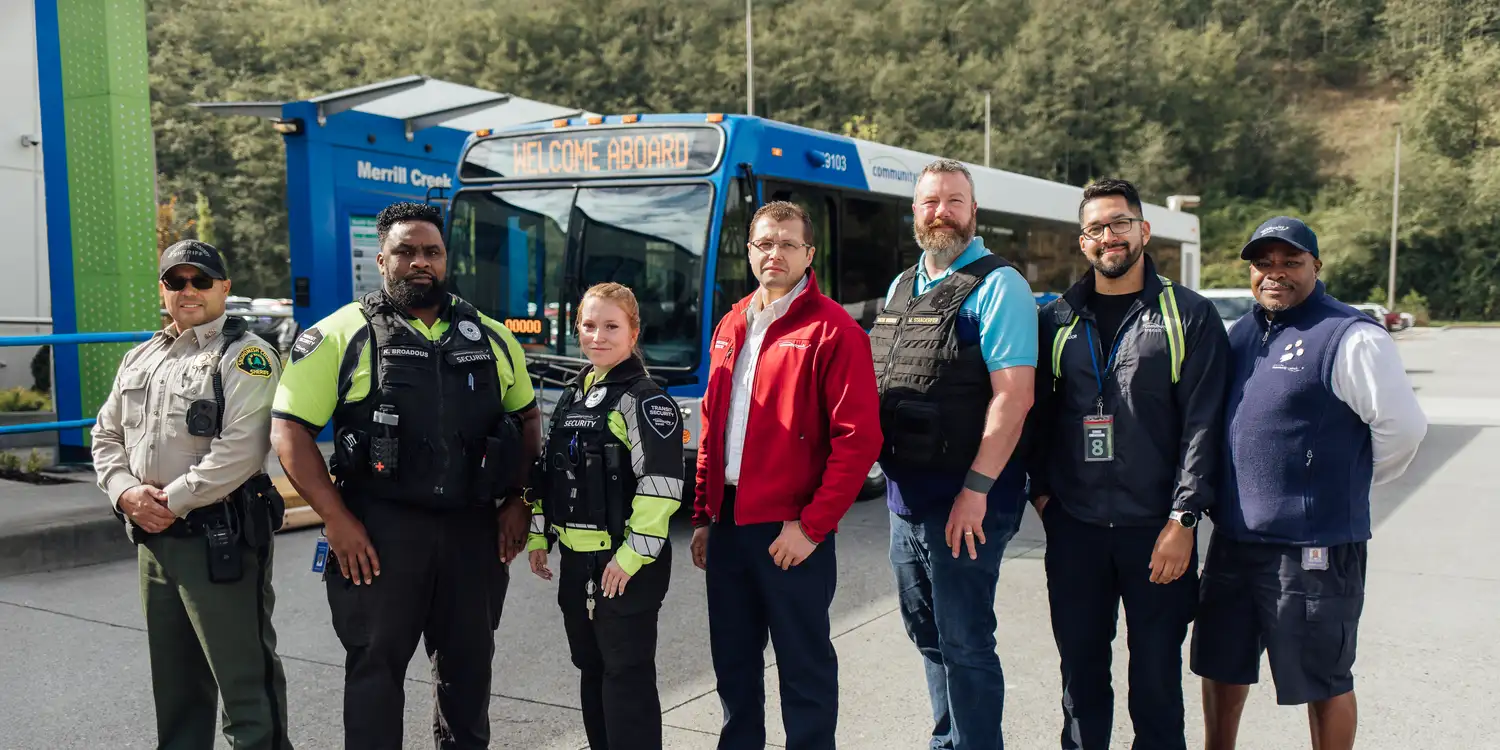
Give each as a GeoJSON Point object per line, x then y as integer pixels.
{"type": "Point", "coordinates": [84, 536]}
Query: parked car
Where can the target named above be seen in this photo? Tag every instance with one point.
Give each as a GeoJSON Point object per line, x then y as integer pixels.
{"type": "Point", "coordinates": [1391, 321]}
{"type": "Point", "coordinates": [1232, 304]}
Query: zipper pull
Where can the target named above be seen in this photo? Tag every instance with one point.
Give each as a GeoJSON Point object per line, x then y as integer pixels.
{"type": "Point", "coordinates": [1309, 457]}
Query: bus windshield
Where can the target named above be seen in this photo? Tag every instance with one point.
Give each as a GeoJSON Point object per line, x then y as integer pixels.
{"type": "Point", "coordinates": [530, 253]}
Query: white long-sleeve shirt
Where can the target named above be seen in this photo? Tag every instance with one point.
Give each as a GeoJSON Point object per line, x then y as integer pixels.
{"type": "Point", "coordinates": [759, 317]}
{"type": "Point", "coordinates": [1368, 376]}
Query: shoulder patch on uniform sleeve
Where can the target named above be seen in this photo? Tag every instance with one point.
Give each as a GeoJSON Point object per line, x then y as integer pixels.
{"type": "Point", "coordinates": [253, 360]}
{"type": "Point", "coordinates": [661, 413]}
{"type": "Point", "coordinates": [306, 343]}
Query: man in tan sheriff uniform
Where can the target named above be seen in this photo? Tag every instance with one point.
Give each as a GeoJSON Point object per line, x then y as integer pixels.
{"type": "Point", "coordinates": [180, 449]}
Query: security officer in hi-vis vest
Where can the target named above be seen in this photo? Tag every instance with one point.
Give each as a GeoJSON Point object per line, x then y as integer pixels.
{"type": "Point", "coordinates": [180, 448]}
{"type": "Point", "coordinates": [425, 394]}
{"type": "Point", "coordinates": [612, 478]}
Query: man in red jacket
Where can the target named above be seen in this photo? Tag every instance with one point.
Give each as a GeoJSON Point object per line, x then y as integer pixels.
{"type": "Point", "coordinates": [794, 365]}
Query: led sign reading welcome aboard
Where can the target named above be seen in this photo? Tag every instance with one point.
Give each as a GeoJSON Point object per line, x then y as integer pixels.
{"type": "Point", "coordinates": [595, 153]}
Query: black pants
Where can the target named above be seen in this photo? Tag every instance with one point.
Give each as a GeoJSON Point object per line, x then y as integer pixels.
{"type": "Point", "coordinates": [615, 652]}
{"type": "Point", "coordinates": [440, 581]}
{"type": "Point", "coordinates": [749, 599]}
{"type": "Point", "coordinates": [1089, 570]}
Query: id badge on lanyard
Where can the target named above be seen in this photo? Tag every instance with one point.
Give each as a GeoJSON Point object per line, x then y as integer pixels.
{"type": "Point", "coordinates": [1099, 428]}
{"type": "Point", "coordinates": [1099, 435]}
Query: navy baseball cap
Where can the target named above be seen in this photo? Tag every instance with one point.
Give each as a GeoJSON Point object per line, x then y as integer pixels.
{"type": "Point", "coordinates": [1284, 229]}
{"type": "Point", "coordinates": [200, 255]}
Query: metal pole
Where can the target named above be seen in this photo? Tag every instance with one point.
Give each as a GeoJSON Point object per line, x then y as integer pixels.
{"type": "Point", "coordinates": [1390, 294]}
{"type": "Point", "coordinates": [749, 64]}
{"type": "Point", "coordinates": [986, 128]}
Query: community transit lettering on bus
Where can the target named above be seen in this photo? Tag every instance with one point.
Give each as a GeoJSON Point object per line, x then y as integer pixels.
{"type": "Point", "coordinates": [595, 153]}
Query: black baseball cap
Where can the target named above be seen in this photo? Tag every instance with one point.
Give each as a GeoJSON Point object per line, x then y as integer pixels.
{"type": "Point", "coordinates": [200, 255]}
{"type": "Point", "coordinates": [1283, 229]}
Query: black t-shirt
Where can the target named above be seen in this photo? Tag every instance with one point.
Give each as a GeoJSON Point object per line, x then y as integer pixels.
{"type": "Point", "coordinates": [1109, 311]}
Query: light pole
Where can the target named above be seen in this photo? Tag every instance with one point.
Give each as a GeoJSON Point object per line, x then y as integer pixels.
{"type": "Point", "coordinates": [1390, 286]}
{"type": "Point", "coordinates": [986, 128]}
{"type": "Point", "coordinates": [749, 64]}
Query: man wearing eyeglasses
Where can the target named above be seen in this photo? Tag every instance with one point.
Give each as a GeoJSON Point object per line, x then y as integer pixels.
{"type": "Point", "coordinates": [1126, 434]}
{"type": "Point", "coordinates": [955, 352]}
{"type": "Point", "coordinates": [185, 428]}
{"type": "Point", "coordinates": [790, 431]}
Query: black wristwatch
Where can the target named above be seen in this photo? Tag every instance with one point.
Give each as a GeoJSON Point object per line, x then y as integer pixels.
{"type": "Point", "coordinates": [1187, 518]}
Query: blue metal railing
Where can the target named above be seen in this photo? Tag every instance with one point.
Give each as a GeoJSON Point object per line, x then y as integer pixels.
{"type": "Point", "coordinates": [65, 339]}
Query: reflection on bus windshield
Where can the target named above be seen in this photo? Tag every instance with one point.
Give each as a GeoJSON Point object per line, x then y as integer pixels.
{"type": "Point", "coordinates": [510, 249]}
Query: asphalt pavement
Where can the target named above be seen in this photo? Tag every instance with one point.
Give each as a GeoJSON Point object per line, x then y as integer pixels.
{"type": "Point", "coordinates": [75, 670]}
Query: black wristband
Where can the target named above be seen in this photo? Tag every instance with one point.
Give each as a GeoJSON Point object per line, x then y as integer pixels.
{"type": "Point", "coordinates": [978, 482]}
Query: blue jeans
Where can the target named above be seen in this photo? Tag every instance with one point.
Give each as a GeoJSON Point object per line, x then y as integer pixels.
{"type": "Point", "coordinates": [948, 607]}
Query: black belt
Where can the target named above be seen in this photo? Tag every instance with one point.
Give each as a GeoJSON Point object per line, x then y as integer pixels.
{"type": "Point", "coordinates": [198, 521]}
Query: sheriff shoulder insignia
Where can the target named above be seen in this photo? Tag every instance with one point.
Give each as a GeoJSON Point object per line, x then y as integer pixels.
{"type": "Point", "coordinates": [254, 361]}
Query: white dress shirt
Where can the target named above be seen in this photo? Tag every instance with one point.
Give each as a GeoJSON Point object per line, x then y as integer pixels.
{"type": "Point", "coordinates": [1368, 376]}
{"type": "Point", "coordinates": [758, 318]}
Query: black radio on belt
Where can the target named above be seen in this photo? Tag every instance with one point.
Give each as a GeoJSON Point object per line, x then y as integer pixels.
{"type": "Point", "coordinates": [384, 446]}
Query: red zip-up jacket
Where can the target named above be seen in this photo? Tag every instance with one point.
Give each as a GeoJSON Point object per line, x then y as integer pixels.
{"type": "Point", "coordinates": [813, 431]}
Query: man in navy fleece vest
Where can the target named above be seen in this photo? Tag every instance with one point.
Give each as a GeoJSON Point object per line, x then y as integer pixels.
{"type": "Point", "coordinates": [1319, 409]}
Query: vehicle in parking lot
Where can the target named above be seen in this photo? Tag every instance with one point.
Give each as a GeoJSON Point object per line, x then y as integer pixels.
{"type": "Point", "coordinates": [1232, 304]}
{"type": "Point", "coordinates": [1392, 321]}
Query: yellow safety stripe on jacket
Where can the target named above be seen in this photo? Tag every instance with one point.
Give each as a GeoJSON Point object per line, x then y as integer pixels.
{"type": "Point", "coordinates": [1176, 339]}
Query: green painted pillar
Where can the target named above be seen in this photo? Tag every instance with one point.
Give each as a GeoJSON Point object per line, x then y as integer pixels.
{"type": "Point", "coordinates": [111, 165]}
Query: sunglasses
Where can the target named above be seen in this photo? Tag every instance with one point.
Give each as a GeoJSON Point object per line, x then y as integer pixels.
{"type": "Point", "coordinates": [178, 283]}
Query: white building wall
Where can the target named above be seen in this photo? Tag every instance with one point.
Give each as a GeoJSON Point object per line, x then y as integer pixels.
{"type": "Point", "coordinates": [24, 285]}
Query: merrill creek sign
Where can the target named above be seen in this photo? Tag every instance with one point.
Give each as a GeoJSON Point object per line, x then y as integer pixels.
{"type": "Point", "coordinates": [402, 176]}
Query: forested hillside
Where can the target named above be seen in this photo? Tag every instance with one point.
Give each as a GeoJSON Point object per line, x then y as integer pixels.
{"type": "Point", "coordinates": [1277, 105]}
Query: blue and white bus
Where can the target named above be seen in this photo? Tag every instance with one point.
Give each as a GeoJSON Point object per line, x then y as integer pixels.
{"type": "Point", "coordinates": [661, 203]}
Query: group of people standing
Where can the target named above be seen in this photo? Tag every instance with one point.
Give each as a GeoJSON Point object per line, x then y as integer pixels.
{"type": "Point", "coordinates": [1121, 411]}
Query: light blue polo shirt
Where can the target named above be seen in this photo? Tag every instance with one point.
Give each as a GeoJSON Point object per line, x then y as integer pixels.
{"type": "Point", "coordinates": [1001, 310]}
{"type": "Point", "coordinates": [1001, 314]}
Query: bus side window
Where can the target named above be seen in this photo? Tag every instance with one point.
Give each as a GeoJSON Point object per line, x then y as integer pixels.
{"type": "Point", "coordinates": [870, 247]}
{"type": "Point", "coordinates": [820, 208]}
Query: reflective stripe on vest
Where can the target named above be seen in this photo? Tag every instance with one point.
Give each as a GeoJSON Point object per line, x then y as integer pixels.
{"type": "Point", "coordinates": [1176, 340]}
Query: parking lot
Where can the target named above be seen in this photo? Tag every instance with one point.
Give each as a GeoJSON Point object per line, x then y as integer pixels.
{"type": "Point", "coordinates": [75, 673]}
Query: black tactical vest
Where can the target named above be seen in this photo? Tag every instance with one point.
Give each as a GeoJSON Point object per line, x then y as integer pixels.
{"type": "Point", "coordinates": [933, 391]}
{"type": "Point", "coordinates": [590, 482]}
{"type": "Point", "coordinates": [447, 396]}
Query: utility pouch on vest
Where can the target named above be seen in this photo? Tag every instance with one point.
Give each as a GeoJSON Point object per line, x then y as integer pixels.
{"type": "Point", "coordinates": [500, 468]}
{"type": "Point", "coordinates": [595, 480]}
{"type": "Point", "coordinates": [914, 432]}
{"type": "Point", "coordinates": [614, 490]}
{"type": "Point", "coordinates": [226, 561]}
{"type": "Point", "coordinates": [351, 453]}
{"type": "Point", "coordinates": [384, 446]}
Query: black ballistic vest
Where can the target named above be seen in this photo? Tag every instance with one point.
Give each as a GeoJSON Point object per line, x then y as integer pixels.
{"type": "Point", "coordinates": [447, 395]}
{"type": "Point", "coordinates": [934, 391]}
{"type": "Point", "coordinates": [589, 475]}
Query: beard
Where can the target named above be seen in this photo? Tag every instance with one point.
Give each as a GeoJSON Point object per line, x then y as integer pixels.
{"type": "Point", "coordinates": [945, 246]}
{"type": "Point", "coordinates": [412, 296]}
{"type": "Point", "coordinates": [1114, 269]}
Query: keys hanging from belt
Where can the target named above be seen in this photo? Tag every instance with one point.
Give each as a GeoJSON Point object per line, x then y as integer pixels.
{"type": "Point", "coordinates": [588, 603]}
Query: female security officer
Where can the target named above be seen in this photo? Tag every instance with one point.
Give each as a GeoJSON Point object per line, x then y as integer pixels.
{"type": "Point", "coordinates": [612, 477]}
